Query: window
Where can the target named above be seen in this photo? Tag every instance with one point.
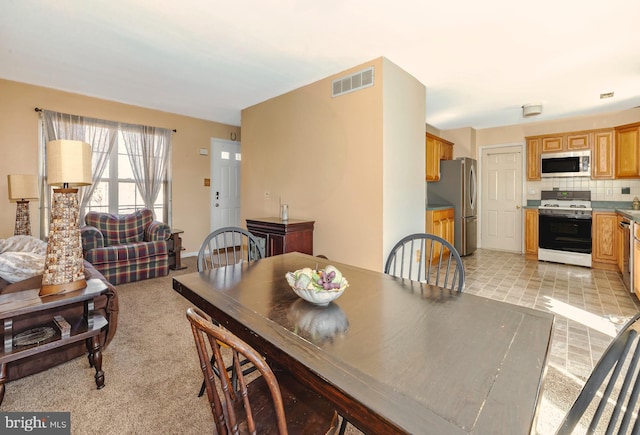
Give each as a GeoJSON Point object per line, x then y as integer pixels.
{"type": "Point", "coordinates": [130, 165]}
{"type": "Point", "coordinates": [116, 191]}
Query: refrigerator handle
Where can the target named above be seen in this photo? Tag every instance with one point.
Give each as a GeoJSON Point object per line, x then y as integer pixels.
{"type": "Point", "coordinates": [472, 188]}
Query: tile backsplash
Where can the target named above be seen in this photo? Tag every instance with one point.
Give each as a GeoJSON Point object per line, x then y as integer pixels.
{"type": "Point", "coordinates": [601, 190]}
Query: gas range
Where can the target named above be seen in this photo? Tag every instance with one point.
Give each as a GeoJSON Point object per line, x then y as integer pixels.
{"type": "Point", "coordinates": [564, 227]}
{"type": "Point", "coordinates": [566, 202]}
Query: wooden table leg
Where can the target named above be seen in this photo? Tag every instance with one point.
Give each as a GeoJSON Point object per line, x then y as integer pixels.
{"type": "Point", "coordinates": [89, 344]}
{"type": "Point", "coordinates": [96, 357]}
{"type": "Point", "coordinates": [3, 377]}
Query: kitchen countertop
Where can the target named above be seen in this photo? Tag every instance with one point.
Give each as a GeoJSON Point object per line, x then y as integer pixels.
{"type": "Point", "coordinates": [431, 207]}
{"type": "Point", "coordinates": [633, 215]}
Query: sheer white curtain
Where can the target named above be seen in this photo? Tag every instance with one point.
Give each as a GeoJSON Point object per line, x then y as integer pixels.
{"type": "Point", "coordinates": [100, 134]}
{"type": "Point", "coordinates": [149, 150]}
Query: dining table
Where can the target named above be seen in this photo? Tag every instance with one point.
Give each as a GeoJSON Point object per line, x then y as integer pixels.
{"type": "Point", "coordinates": [392, 355]}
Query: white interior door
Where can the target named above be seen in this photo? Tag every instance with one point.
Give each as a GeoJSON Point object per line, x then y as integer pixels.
{"type": "Point", "coordinates": [225, 183]}
{"type": "Point", "coordinates": [502, 198]}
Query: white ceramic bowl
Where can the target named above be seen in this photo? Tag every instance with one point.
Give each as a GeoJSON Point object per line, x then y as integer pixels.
{"type": "Point", "coordinates": [314, 295]}
{"type": "Point", "coordinates": [319, 297]}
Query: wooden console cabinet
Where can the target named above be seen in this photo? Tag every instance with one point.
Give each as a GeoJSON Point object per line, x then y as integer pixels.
{"type": "Point", "coordinates": [283, 236]}
{"type": "Point", "coordinates": [16, 306]}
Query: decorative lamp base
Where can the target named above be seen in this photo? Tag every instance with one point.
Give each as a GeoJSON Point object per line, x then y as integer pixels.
{"type": "Point", "coordinates": [23, 224]}
{"type": "Point", "coordinates": [63, 263]}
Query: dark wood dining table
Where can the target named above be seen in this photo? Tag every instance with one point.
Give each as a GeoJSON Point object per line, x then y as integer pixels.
{"type": "Point", "coordinates": [393, 355]}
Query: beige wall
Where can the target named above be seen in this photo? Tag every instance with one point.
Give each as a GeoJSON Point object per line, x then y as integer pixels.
{"type": "Point", "coordinates": [404, 187]}
{"type": "Point", "coordinates": [19, 150]}
{"type": "Point", "coordinates": [324, 157]}
{"type": "Point", "coordinates": [464, 140]}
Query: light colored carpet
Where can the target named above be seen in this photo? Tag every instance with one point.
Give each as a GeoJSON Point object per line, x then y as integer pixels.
{"type": "Point", "coordinates": [152, 375]}
{"type": "Point", "coordinates": [151, 372]}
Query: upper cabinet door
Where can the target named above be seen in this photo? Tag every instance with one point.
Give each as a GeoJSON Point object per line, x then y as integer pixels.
{"type": "Point", "coordinates": [627, 151]}
{"type": "Point", "coordinates": [578, 141]}
{"type": "Point", "coordinates": [602, 155]}
{"type": "Point", "coordinates": [432, 159]}
{"type": "Point", "coordinates": [551, 143]}
{"type": "Point", "coordinates": [533, 159]}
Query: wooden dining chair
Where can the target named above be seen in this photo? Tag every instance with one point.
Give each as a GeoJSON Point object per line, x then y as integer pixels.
{"type": "Point", "coordinates": [609, 398]}
{"type": "Point", "coordinates": [427, 258]}
{"type": "Point", "coordinates": [228, 245]}
{"type": "Point", "coordinates": [259, 405]}
{"type": "Point", "coordinates": [222, 247]}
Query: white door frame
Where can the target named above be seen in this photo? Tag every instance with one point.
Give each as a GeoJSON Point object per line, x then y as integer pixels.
{"type": "Point", "coordinates": [523, 183]}
{"type": "Point", "coordinates": [214, 169]}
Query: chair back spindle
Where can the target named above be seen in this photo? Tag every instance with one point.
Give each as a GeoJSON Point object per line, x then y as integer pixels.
{"type": "Point", "coordinates": [427, 258]}
{"type": "Point", "coordinates": [258, 404]}
{"type": "Point", "coordinates": [228, 245]}
{"type": "Point", "coordinates": [608, 402]}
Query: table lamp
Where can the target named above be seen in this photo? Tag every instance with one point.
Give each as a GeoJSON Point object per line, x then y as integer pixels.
{"type": "Point", "coordinates": [68, 166]}
{"type": "Point", "coordinates": [22, 188]}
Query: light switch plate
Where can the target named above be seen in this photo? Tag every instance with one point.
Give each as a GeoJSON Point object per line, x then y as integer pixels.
{"type": "Point", "coordinates": [204, 152]}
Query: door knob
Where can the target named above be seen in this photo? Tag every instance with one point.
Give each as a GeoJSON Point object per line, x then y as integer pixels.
{"type": "Point", "coordinates": [217, 205]}
{"type": "Point", "coordinates": [518, 207]}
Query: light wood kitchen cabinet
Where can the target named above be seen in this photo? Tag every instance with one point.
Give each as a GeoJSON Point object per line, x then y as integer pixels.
{"type": "Point", "coordinates": [533, 159]}
{"type": "Point", "coordinates": [602, 155]}
{"type": "Point", "coordinates": [604, 249]}
{"type": "Point", "coordinates": [436, 149]}
{"type": "Point", "coordinates": [604, 150]}
{"type": "Point", "coordinates": [578, 141]}
{"type": "Point", "coordinates": [552, 143]}
{"type": "Point", "coordinates": [531, 233]}
{"type": "Point", "coordinates": [636, 260]}
{"type": "Point", "coordinates": [432, 158]}
{"type": "Point", "coordinates": [627, 151]}
{"type": "Point", "coordinates": [440, 222]}
{"type": "Point", "coordinates": [446, 150]}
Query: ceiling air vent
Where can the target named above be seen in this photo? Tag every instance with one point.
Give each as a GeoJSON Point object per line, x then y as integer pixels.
{"type": "Point", "coordinates": [361, 79]}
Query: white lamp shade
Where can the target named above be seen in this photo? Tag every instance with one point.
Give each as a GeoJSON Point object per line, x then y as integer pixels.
{"type": "Point", "coordinates": [68, 161]}
{"type": "Point", "coordinates": [23, 187]}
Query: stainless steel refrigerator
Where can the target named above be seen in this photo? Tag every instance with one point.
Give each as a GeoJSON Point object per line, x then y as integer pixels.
{"type": "Point", "coordinates": [458, 187]}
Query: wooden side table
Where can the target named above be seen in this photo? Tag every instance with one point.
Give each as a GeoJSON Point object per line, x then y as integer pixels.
{"type": "Point", "coordinates": [175, 247]}
{"type": "Point", "coordinates": [283, 236]}
{"type": "Point", "coordinates": [27, 303]}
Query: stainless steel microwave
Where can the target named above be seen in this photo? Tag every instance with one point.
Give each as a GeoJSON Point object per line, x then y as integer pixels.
{"type": "Point", "coordinates": [570, 164]}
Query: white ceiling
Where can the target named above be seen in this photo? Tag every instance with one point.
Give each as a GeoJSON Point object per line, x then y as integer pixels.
{"type": "Point", "coordinates": [480, 60]}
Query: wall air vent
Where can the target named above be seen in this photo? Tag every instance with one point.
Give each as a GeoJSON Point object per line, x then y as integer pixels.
{"type": "Point", "coordinates": [353, 82]}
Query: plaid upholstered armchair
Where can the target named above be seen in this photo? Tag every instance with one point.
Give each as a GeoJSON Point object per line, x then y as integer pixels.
{"type": "Point", "coordinates": [126, 248]}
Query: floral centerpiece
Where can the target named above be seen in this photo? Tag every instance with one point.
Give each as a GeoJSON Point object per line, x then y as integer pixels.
{"type": "Point", "coordinates": [317, 286]}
